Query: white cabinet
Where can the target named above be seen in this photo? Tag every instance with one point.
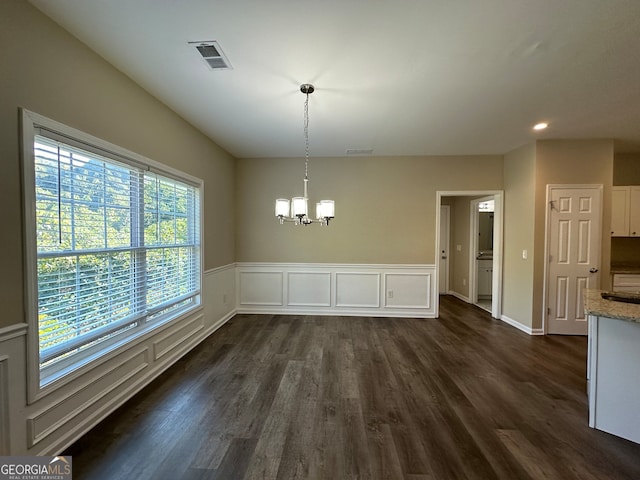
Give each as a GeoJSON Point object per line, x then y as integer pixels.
{"type": "Point", "coordinates": [634, 212]}
{"type": "Point", "coordinates": [626, 283]}
{"type": "Point", "coordinates": [620, 211]}
{"type": "Point", "coordinates": [485, 277]}
{"type": "Point", "coordinates": [612, 373]}
{"type": "Point", "coordinates": [625, 211]}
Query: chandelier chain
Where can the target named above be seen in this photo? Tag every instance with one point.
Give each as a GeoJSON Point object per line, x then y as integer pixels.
{"type": "Point", "coordinates": [306, 137]}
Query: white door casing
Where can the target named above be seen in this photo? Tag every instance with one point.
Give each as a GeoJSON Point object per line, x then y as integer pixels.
{"type": "Point", "coordinates": [574, 237]}
{"type": "Point", "coordinates": [496, 275]}
{"type": "Point", "coordinates": [498, 195]}
{"type": "Point", "coordinates": [443, 248]}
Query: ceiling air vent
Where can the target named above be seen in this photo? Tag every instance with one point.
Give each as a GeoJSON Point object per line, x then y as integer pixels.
{"type": "Point", "coordinates": [212, 54]}
{"type": "Point", "coordinates": [359, 151]}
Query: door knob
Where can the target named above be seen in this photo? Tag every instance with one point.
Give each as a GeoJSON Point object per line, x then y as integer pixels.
{"type": "Point", "coordinates": [593, 270]}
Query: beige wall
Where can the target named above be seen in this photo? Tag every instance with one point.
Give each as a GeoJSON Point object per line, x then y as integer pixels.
{"type": "Point", "coordinates": [626, 169]}
{"type": "Point", "coordinates": [519, 214]}
{"type": "Point", "coordinates": [570, 162]}
{"type": "Point", "coordinates": [385, 206]}
{"type": "Point", "coordinates": [625, 251]}
{"type": "Point", "coordinates": [46, 70]}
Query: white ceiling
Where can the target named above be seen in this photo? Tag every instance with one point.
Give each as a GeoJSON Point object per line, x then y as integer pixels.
{"type": "Point", "coordinates": [402, 77]}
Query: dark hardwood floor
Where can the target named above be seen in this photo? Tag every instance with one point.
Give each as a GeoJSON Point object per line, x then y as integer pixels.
{"type": "Point", "coordinates": [267, 396]}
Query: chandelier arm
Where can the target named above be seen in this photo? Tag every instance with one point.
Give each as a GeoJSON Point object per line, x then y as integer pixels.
{"type": "Point", "coordinates": [304, 220]}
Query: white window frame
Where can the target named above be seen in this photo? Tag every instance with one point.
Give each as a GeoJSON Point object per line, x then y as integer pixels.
{"type": "Point", "coordinates": [31, 124]}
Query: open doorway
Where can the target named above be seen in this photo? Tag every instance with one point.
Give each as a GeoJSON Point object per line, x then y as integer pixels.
{"type": "Point", "coordinates": [482, 219]}
{"type": "Point", "coordinates": [463, 248]}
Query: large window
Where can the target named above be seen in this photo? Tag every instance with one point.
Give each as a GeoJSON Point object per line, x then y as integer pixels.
{"type": "Point", "coordinates": [117, 248]}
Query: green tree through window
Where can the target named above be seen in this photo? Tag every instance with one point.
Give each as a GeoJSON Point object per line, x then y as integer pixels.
{"type": "Point", "coordinates": [118, 246]}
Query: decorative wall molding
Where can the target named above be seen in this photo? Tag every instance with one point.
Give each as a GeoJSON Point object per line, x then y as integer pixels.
{"type": "Point", "coordinates": [263, 288]}
{"type": "Point", "coordinates": [231, 267]}
{"type": "Point", "coordinates": [13, 331]}
{"type": "Point", "coordinates": [410, 290]}
{"type": "Point", "coordinates": [171, 341]}
{"type": "Point", "coordinates": [358, 289]}
{"type": "Point", "coordinates": [57, 414]}
{"type": "Point", "coordinates": [4, 406]}
{"type": "Point", "coordinates": [337, 289]}
{"type": "Point", "coordinates": [309, 289]}
{"type": "Point", "coordinates": [54, 421]}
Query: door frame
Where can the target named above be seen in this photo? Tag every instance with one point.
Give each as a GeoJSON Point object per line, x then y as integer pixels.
{"type": "Point", "coordinates": [498, 250]}
{"type": "Point", "coordinates": [474, 229]}
{"type": "Point", "coordinates": [547, 239]}
{"type": "Point", "coordinates": [439, 248]}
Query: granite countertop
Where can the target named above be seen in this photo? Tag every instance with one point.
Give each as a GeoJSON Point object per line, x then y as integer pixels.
{"type": "Point", "coordinates": [594, 304]}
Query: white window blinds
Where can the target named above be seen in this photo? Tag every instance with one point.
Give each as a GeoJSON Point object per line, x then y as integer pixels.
{"type": "Point", "coordinates": [118, 246]}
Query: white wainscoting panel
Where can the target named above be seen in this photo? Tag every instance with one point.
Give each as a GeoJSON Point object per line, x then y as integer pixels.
{"type": "Point", "coordinates": [408, 290]}
{"type": "Point", "coordinates": [309, 289]}
{"type": "Point", "coordinates": [336, 289]}
{"type": "Point", "coordinates": [76, 403]}
{"type": "Point", "coordinates": [358, 289]}
{"type": "Point", "coordinates": [49, 424]}
{"type": "Point", "coordinates": [4, 406]}
{"type": "Point", "coordinates": [13, 387]}
{"type": "Point", "coordinates": [261, 288]}
{"type": "Point", "coordinates": [171, 342]}
{"type": "Point", "coordinates": [219, 296]}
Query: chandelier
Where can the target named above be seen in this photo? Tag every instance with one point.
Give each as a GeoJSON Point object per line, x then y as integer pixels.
{"type": "Point", "coordinates": [296, 210]}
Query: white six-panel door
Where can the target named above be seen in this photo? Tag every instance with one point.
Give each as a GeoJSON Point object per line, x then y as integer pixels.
{"type": "Point", "coordinates": [574, 239]}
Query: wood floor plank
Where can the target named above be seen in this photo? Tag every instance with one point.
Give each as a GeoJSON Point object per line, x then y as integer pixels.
{"type": "Point", "coordinates": [383, 453]}
{"type": "Point", "coordinates": [301, 444]}
{"type": "Point", "coordinates": [236, 460]}
{"type": "Point", "coordinates": [460, 397]}
{"type": "Point", "coordinates": [354, 445]}
{"type": "Point", "coordinates": [269, 449]}
{"type": "Point", "coordinates": [530, 457]}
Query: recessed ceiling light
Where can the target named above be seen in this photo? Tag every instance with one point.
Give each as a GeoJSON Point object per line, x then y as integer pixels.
{"type": "Point", "coordinates": [540, 126]}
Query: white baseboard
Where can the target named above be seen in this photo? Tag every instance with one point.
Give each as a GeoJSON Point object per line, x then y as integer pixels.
{"type": "Point", "coordinates": [459, 296]}
{"type": "Point", "coordinates": [219, 323]}
{"type": "Point", "coordinates": [509, 321]}
{"type": "Point", "coordinates": [523, 328]}
{"type": "Point", "coordinates": [336, 312]}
